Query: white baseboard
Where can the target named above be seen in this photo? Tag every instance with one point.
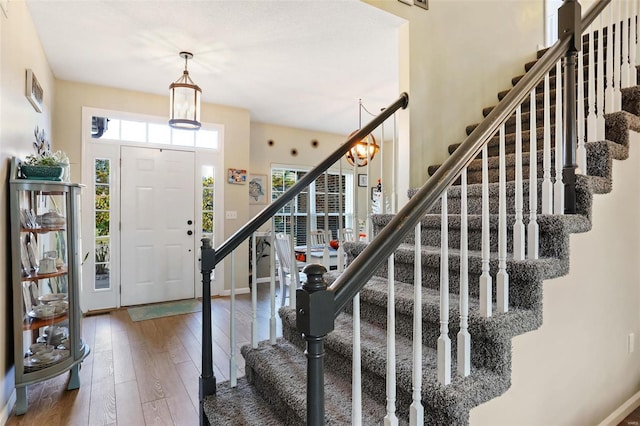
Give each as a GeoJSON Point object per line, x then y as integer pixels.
{"type": "Point", "coordinates": [245, 290]}
{"type": "Point", "coordinates": [622, 412]}
{"type": "Point", "coordinates": [6, 410]}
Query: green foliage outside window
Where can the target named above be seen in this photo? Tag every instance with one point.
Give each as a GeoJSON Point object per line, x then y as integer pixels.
{"type": "Point", "coordinates": [207, 204]}
{"type": "Point", "coordinates": [102, 197]}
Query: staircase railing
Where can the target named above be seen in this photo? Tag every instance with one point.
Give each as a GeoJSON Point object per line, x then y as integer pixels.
{"type": "Point", "coordinates": [317, 305]}
{"type": "Point", "coordinates": [210, 256]}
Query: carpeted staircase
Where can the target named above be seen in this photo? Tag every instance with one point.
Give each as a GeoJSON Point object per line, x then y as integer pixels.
{"type": "Point", "coordinates": [274, 391]}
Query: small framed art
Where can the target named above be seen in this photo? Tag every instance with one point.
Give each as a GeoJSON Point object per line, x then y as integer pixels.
{"type": "Point", "coordinates": [33, 91]}
{"type": "Point", "coordinates": [363, 180]}
{"type": "Point", "coordinates": [258, 189]}
{"type": "Point", "coordinates": [237, 176]}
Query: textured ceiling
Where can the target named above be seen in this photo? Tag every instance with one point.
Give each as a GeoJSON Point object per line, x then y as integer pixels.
{"type": "Point", "coordinates": [298, 63]}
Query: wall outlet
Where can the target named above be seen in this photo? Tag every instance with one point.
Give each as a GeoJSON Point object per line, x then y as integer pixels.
{"type": "Point", "coordinates": [631, 342]}
{"type": "Point", "coordinates": [231, 214]}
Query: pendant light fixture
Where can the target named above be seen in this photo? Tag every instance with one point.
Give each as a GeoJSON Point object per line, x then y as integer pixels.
{"type": "Point", "coordinates": [365, 149]}
{"type": "Point", "coordinates": [184, 100]}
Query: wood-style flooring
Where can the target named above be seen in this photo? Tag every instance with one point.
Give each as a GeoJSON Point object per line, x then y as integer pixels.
{"type": "Point", "coordinates": [144, 373]}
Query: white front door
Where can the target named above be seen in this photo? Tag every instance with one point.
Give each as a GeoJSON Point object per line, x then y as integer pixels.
{"type": "Point", "coordinates": [157, 225]}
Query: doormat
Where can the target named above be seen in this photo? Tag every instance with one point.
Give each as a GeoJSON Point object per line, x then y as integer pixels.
{"type": "Point", "coordinates": [159, 310]}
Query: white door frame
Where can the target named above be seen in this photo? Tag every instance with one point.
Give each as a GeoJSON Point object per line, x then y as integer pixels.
{"type": "Point", "coordinates": [92, 299]}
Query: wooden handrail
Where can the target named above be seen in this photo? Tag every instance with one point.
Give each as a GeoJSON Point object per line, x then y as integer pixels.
{"type": "Point", "coordinates": [254, 224]}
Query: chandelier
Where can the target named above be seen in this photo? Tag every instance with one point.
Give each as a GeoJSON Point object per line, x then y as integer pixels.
{"type": "Point", "coordinates": [365, 149]}
{"type": "Point", "coordinates": [184, 100]}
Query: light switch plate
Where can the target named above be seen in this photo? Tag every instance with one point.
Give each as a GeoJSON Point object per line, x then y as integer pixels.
{"type": "Point", "coordinates": [231, 214]}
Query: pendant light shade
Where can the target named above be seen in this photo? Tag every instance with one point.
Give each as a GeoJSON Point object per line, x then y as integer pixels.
{"type": "Point", "coordinates": [365, 149]}
{"type": "Point", "coordinates": [184, 100]}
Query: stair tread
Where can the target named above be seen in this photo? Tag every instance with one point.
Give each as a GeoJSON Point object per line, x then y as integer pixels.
{"type": "Point", "coordinates": [535, 270]}
{"type": "Point", "coordinates": [569, 223]}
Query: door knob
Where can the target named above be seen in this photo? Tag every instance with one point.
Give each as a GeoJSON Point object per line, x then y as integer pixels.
{"type": "Point", "coordinates": [189, 232]}
{"type": "Point", "coordinates": [189, 222]}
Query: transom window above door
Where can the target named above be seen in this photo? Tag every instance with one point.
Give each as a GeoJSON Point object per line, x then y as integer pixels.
{"type": "Point", "coordinates": [156, 133]}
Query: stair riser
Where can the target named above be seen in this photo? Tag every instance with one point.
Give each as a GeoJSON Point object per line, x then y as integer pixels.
{"type": "Point", "coordinates": [493, 146]}
{"type": "Point", "coordinates": [431, 332]}
{"type": "Point", "coordinates": [474, 205]}
{"type": "Point", "coordinates": [525, 119]}
{"type": "Point", "coordinates": [522, 293]}
{"type": "Point", "coordinates": [551, 244]}
{"type": "Point", "coordinates": [276, 402]}
{"type": "Point", "coordinates": [552, 85]}
{"type": "Point", "coordinates": [525, 107]}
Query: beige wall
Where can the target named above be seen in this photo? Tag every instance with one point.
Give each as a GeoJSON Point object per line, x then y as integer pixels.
{"type": "Point", "coordinates": [457, 63]}
{"type": "Point", "coordinates": [575, 369]}
{"type": "Point", "coordinates": [19, 49]}
{"type": "Point", "coordinates": [285, 139]}
{"type": "Point", "coordinates": [68, 136]}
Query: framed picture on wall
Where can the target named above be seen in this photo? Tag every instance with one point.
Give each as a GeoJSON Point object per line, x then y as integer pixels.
{"type": "Point", "coordinates": [363, 180]}
{"type": "Point", "coordinates": [33, 91]}
{"type": "Point", "coordinates": [258, 189]}
{"type": "Point", "coordinates": [237, 176]}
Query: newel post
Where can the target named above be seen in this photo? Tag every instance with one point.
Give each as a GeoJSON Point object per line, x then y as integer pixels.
{"type": "Point", "coordinates": [207, 379]}
{"type": "Point", "coordinates": [314, 319]}
{"type": "Point", "coordinates": [569, 22]}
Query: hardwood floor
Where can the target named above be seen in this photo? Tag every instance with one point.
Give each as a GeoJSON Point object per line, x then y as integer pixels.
{"type": "Point", "coordinates": [144, 373]}
{"type": "Point", "coordinates": [632, 419]}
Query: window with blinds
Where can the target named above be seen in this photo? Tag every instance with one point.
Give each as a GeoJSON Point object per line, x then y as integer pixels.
{"type": "Point", "coordinates": [325, 195]}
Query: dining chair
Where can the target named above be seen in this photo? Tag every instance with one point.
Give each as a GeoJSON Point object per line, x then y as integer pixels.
{"type": "Point", "coordinates": [346, 235]}
{"type": "Point", "coordinates": [320, 237]}
{"type": "Point", "coordinates": [285, 257]}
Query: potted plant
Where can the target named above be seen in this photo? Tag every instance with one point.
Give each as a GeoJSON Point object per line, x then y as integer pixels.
{"type": "Point", "coordinates": [44, 165]}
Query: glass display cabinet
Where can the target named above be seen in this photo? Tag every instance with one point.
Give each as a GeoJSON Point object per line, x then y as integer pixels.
{"type": "Point", "coordinates": [45, 270]}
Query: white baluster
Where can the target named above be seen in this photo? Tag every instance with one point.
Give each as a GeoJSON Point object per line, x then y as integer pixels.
{"type": "Point", "coordinates": [325, 253]}
{"type": "Point", "coordinates": [390, 419]}
{"type": "Point", "coordinates": [416, 411]}
{"type": "Point", "coordinates": [342, 261]}
{"type": "Point", "coordinates": [341, 254]}
{"type": "Point", "coordinates": [502, 278]}
{"type": "Point", "coordinates": [609, 95]}
{"type": "Point", "coordinates": [625, 69]}
{"type": "Point", "coordinates": [327, 232]}
{"type": "Point", "coordinates": [633, 32]}
{"type": "Point", "coordinates": [518, 226]}
{"type": "Point", "coordinates": [581, 152]}
{"type": "Point", "coordinates": [592, 121]}
{"type": "Point", "coordinates": [294, 281]}
{"type": "Point", "coordinates": [254, 292]}
{"type": "Point", "coordinates": [444, 342]}
{"type": "Point", "coordinates": [394, 172]}
{"type": "Point", "coordinates": [617, 99]}
{"type": "Point", "coordinates": [547, 185]}
{"type": "Point", "coordinates": [272, 286]}
{"type": "Point", "coordinates": [532, 242]}
{"type": "Point", "coordinates": [464, 338]}
{"type": "Point", "coordinates": [356, 376]}
{"type": "Point", "coordinates": [602, 81]}
{"type": "Point", "coordinates": [532, 229]}
{"type": "Point", "coordinates": [558, 189]}
{"type": "Point", "coordinates": [486, 298]}
{"type": "Point", "coordinates": [233, 370]}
